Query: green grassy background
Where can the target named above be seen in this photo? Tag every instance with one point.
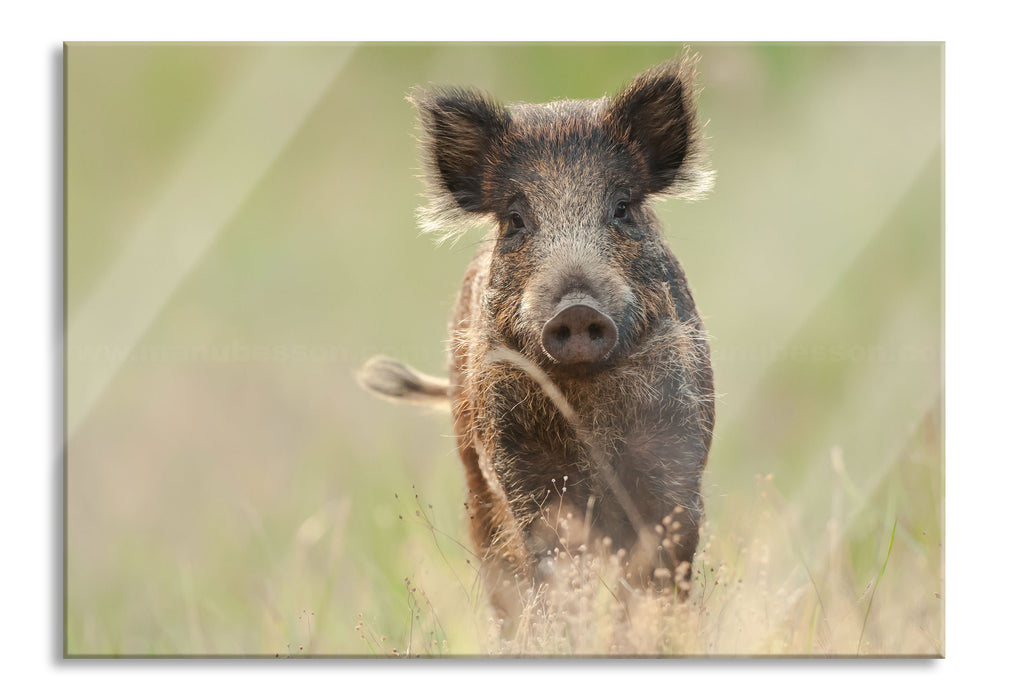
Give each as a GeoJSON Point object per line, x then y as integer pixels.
{"type": "Point", "coordinates": [230, 489]}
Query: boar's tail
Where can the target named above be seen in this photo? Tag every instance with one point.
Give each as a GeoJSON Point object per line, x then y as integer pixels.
{"type": "Point", "coordinates": [395, 381]}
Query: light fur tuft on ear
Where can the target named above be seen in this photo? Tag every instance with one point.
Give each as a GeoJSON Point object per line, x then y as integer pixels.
{"type": "Point", "coordinates": [460, 129]}
{"type": "Point", "coordinates": [657, 113]}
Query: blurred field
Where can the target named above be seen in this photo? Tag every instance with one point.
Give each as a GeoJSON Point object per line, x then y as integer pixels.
{"type": "Point", "coordinates": [241, 237]}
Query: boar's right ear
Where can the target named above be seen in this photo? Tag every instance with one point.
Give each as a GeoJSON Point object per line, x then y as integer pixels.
{"type": "Point", "coordinates": [656, 114]}
{"type": "Point", "coordinates": [461, 128]}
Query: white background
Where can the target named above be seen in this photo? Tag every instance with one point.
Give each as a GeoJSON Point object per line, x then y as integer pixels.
{"type": "Point", "coordinates": [976, 349]}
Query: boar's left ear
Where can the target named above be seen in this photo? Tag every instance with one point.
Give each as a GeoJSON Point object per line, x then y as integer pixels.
{"type": "Point", "coordinates": [657, 115]}
{"type": "Point", "coordinates": [461, 127]}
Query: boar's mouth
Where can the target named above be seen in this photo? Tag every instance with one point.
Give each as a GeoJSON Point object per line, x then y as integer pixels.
{"type": "Point", "coordinates": [580, 336]}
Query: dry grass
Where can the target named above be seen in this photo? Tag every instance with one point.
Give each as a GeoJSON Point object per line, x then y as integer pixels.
{"type": "Point", "coordinates": [753, 593]}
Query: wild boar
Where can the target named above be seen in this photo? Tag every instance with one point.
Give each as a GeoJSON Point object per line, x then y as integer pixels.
{"type": "Point", "coordinates": [579, 375]}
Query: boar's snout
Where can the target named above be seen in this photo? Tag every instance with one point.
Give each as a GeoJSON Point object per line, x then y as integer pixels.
{"type": "Point", "coordinates": [579, 333]}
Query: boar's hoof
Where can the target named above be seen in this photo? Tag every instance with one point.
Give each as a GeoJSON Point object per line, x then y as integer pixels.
{"type": "Point", "coordinates": [579, 334]}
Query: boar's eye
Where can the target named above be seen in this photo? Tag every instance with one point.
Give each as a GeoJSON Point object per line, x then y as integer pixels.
{"type": "Point", "coordinates": [514, 234]}
{"type": "Point", "coordinates": [620, 211]}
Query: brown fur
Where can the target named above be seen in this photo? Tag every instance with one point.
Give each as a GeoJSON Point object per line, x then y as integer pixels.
{"type": "Point", "coordinates": [618, 444]}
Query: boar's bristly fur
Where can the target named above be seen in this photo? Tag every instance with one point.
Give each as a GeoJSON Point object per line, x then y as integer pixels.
{"type": "Point", "coordinates": [579, 379]}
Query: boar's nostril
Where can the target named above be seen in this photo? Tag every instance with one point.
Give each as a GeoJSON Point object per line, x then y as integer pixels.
{"type": "Point", "coordinates": [579, 333]}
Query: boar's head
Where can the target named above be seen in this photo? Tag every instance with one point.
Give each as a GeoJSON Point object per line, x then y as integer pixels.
{"type": "Point", "coordinates": [580, 272]}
